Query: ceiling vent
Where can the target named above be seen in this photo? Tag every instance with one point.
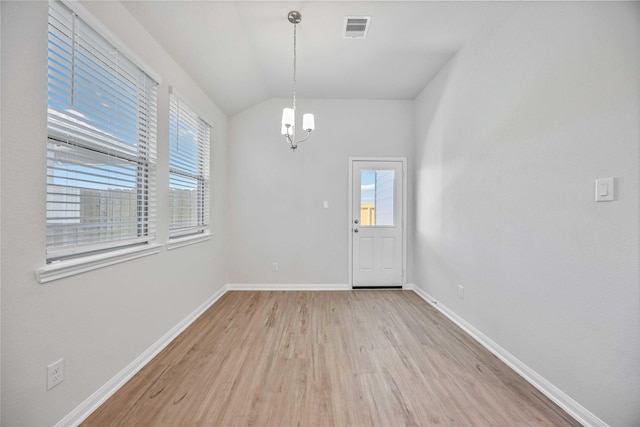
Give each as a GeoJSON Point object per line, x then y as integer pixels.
{"type": "Point", "coordinates": [356, 27]}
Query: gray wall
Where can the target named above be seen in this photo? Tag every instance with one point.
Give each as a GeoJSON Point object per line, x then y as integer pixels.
{"type": "Point", "coordinates": [102, 320]}
{"type": "Point", "coordinates": [276, 196]}
{"type": "Point", "coordinates": [0, 223]}
{"type": "Point", "coordinates": [510, 138]}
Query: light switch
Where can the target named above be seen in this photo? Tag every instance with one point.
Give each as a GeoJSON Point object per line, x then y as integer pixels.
{"type": "Point", "coordinates": [326, 204]}
{"type": "Point", "coordinates": [605, 189]}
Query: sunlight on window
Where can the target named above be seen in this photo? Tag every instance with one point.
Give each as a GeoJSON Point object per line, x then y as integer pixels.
{"type": "Point", "coordinates": [376, 197]}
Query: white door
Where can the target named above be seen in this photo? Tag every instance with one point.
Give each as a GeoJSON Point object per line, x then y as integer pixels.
{"type": "Point", "coordinates": [377, 222]}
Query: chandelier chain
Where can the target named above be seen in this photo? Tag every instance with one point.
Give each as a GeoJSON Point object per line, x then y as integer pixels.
{"type": "Point", "coordinates": [294, 65]}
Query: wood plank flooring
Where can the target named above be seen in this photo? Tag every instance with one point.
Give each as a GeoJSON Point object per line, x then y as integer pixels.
{"type": "Point", "coordinates": [346, 358]}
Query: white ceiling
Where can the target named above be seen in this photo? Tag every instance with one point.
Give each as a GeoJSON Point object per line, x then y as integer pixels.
{"type": "Point", "coordinates": [241, 52]}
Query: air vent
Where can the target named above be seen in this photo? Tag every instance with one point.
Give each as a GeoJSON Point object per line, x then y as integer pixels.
{"type": "Point", "coordinates": [356, 27]}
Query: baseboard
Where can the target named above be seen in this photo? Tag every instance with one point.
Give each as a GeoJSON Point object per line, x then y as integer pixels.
{"type": "Point", "coordinates": [287, 287]}
{"type": "Point", "coordinates": [573, 408]}
{"type": "Point", "coordinates": [92, 403]}
{"type": "Point", "coordinates": [296, 287]}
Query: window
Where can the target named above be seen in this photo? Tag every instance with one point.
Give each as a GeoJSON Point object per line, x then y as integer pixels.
{"type": "Point", "coordinates": [376, 197]}
{"type": "Point", "coordinates": [101, 143]}
{"type": "Point", "coordinates": [188, 170]}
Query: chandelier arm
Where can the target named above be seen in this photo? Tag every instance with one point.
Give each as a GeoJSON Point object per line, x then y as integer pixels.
{"type": "Point", "coordinates": [305, 138]}
{"type": "Point", "coordinates": [293, 143]}
{"type": "Point", "coordinates": [288, 139]}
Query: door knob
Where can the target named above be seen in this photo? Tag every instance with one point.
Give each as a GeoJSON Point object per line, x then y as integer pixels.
{"type": "Point", "coordinates": [355, 221]}
{"type": "Point", "coordinates": [355, 230]}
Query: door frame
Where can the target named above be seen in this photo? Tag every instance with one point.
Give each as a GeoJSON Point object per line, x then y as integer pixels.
{"type": "Point", "coordinates": [403, 160]}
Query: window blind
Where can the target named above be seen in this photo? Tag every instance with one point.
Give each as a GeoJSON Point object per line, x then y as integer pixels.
{"type": "Point", "coordinates": [188, 170]}
{"type": "Point", "coordinates": [101, 149]}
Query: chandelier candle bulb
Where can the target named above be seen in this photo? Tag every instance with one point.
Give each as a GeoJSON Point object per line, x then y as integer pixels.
{"type": "Point", "coordinates": [308, 122]}
{"type": "Point", "coordinates": [288, 117]}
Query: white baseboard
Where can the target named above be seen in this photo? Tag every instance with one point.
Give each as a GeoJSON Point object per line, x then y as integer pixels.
{"type": "Point", "coordinates": [573, 408]}
{"type": "Point", "coordinates": [296, 287]}
{"type": "Point", "coordinates": [92, 403]}
{"type": "Point", "coordinates": [287, 287]}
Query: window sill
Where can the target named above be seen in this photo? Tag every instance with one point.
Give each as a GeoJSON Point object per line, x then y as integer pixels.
{"type": "Point", "coordinates": [180, 242]}
{"type": "Point", "coordinates": [62, 269]}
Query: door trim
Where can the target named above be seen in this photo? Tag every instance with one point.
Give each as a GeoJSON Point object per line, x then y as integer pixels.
{"type": "Point", "coordinates": [404, 211]}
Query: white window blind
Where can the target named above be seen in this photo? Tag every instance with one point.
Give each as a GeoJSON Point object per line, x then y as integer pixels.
{"type": "Point", "coordinates": [188, 170]}
{"type": "Point", "coordinates": [101, 147]}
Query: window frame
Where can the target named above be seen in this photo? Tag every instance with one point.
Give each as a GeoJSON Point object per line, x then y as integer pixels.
{"type": "Point", "coordinates": [67, 259]}
{"type": "Point", "coordinates": [181, 116]}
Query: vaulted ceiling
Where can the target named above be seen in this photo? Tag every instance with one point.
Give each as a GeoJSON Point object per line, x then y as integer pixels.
{"type": "Point", "coordinates": [241, 52]}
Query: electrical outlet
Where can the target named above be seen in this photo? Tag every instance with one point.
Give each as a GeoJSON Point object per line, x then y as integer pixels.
{"type": "Point", "coordinates": [274, 266]}
{"type": "Point", "coordinates": [460, 291]}
{"type": "Point", "coordinates": [55, 374]}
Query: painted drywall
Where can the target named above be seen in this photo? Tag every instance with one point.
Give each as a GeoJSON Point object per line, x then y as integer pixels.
{"type": "Point", "coordinates": [511, 136]}
{"type": "Point", "coordinates": [0, 223]}
{"type": "Point", "coordinates": [276, 196]}
{"type": "Point", "coordinates": [102, 320]}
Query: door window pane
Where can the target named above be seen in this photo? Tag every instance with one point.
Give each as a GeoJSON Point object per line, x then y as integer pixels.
{"type": "Point", "coordinates": [376, 197]}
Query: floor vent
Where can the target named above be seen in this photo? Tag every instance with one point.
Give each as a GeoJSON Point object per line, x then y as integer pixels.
{"type": "Point", "coordinates": [356, 27]}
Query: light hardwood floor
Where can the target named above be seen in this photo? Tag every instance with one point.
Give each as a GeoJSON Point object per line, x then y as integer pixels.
{"type": "Point", "coordinates": [346, 358]}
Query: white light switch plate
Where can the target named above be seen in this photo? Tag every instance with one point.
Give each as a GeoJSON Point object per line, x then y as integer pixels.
{"type": "Point", "coordinates": [605, 189]}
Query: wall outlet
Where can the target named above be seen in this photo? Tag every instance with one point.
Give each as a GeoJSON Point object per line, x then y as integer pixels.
{"type": "Point", "coordinates": [460, 291]}
{"type": "Point", "coordinates": [55, 374]}
{"type": "Point", "coordinates": [274, 266]}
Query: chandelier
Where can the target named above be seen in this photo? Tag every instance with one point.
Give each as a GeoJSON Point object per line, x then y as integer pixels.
{"type": "Point", "coordinates": [289, 114]}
